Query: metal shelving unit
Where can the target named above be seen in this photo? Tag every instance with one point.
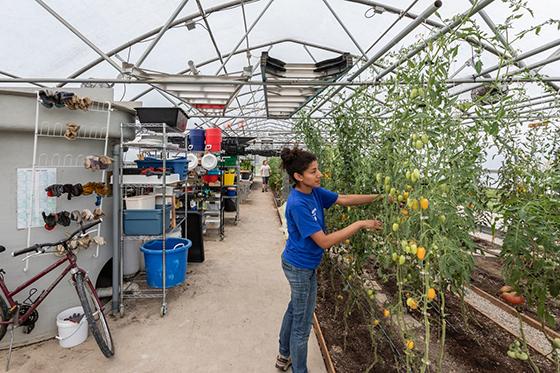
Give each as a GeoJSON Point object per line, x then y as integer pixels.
{"type": "Point", "coordinates": [164, 149]}
{"type": "Point", "coordinates": [236, 186]}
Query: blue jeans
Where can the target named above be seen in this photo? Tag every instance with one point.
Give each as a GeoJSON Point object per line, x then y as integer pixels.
{"type": "Point", "coordinates": [298, 318]}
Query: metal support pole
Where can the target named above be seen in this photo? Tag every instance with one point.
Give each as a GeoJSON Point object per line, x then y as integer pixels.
{"type": "Point", "coordinates": [78, 34]}
{"type": "Point", "coordinates": [471, 40]}
{"type": "Point", "coordinates": [116, 278]}
{"type": "Point", "coordinates": [509, 75]}
{"type": "Point", "coordinates": [161, 32]}
{"type": "Point", "coordinates": [443, 31]}
{"type": "Point", "coordinates": [506, 45]}
{"type": "Point", "coordinates": [408, 29]}
{"type": "Point", "coordinates": [244, 36]}
{"type": "Point", "coordinates": [153, 32]}
{"type": "Point", "coordinates": [345, 29]}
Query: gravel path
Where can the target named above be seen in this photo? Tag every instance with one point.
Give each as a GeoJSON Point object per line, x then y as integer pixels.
{"type": "Point", "coordinates": [535, 338]}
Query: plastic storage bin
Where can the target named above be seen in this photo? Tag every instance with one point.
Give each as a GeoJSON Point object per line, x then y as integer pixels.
{"type": "Point", "coordinates": [229, 161]}
{"type": "Point", "coordinates": [141, 202]}
{"type": "Point", "coordinates": [145, 222]}
{"type": "Point", "coordinates": [229, 179]}
{"type": "Point", "coordinates": [196, 140]}
{"type": "Point", "coordinates": [176, 165]}
{"type": "Point", "coordinates": [213, 139]}
{"type": "Point", "coordinates": [176, 251]}
{"type": "Point", "coordinates": [173, 117]}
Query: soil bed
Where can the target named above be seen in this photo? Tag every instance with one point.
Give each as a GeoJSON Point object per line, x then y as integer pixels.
{"type": "Point", "coordinates": [473, 344]}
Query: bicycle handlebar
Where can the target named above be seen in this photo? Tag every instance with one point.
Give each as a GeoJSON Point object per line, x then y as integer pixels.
{"type": "Point", "coordinates": [36, 247]}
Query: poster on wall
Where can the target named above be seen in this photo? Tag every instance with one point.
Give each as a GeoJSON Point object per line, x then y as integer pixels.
{"type": "Point", "coordinates": [27, 201]}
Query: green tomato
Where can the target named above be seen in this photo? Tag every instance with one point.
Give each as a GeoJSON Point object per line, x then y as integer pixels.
{"type": "Point", "coordinates": [416, 173]}
{"type": "Point", "coordinates": [414, 137]}
{"type": "Point", "coordinates": [395, 227]}
{"type": "Point", "coordinates": [400, 198]}
{"type": "Point", "coordinates": [418, 144]}
{"type": "Point", "coordinates": [393, 191]}
{"type": "Point", "coordinates": [370, 293]}
{"type": "Point", "coordinates": [407, 175]}
{"type": "Point", "coordinates": [414, 93]}
{"type": "Point", "coordinates": [425, 139]}
{"type": "Point", "coordinates": [395, 257]}
{"type": "Point", "coordinates": [387, 180]}
{"type": "Point", "coordinates": [404, 244]}
{"type": "Point", "coordinates": [407, 249]}
{"type": "Point", "coordinates": [442, 219]}
{"type": "Point", "coordinates": [421, 91]}
{"type": "Point", "coordinates": [378, 177]}
{"type": "Point", "coordinates": [556, 342]}
{"type": "Point", "coordinates": [413, 249]}
{"type": "Point", "coordinates": [402, 259]}
{"type": "Point", "coordinates": [522, 356]}
{"type": "Point", "coordinates": [512, 354]}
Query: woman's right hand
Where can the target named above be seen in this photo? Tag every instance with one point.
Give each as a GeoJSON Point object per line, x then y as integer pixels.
{"type": "Point", "coordinates": [372, 224]}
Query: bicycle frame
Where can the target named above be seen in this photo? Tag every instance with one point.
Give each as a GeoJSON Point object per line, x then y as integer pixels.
{"type": "Point", "coordinates": [69, 257]}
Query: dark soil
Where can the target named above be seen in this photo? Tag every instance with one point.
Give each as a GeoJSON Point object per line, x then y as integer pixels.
{"type": "Point", "coordinates": [359, 352]}
{"type": "Point", "coordinates": [474, 343]}
{"type": "Point", "coordinates": [480, 344]}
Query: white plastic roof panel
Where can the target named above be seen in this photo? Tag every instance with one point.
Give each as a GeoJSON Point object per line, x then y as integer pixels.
{"type": "Point", "coordinates": [35, 44]}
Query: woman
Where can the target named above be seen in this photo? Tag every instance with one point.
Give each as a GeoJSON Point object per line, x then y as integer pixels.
{"type": "Point", "coordinates": [304, 249]}
{"type": "Point", "coordinates": [265, 173]}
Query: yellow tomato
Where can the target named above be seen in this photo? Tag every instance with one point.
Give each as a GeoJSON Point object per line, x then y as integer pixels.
{"type": "Point", "coordinates": [421, 253]}
{"type": "Point", "coordinates": [375, 322]}
{"type": "Point", "coordinates": [404, 212]}
{"type": "Point", "coordinates": [405, 195]}
{"type": "Point", "coordinates": [386, 313]}
{"type": "Point", "coordinates": [409, 344]}
{"type": "Point", "coordinates": [410, 302]}
{"type": "Point", "coordinates": [424, 203]}
{"type": "Point", "coordinates": [431, 293]}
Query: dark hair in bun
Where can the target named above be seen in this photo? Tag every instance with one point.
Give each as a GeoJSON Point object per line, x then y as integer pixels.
{"type": "Point", "coordinates": [296, 160]}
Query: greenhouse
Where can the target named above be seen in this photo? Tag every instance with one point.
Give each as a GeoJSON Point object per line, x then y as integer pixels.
{"type": "Point", "coordinates": [267, 186]}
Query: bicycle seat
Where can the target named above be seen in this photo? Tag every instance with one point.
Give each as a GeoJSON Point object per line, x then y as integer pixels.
{"type": "Point", "coordinates": [2, 249]}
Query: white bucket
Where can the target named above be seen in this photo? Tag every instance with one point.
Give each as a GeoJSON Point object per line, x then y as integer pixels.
{"type": "Point", "coordinates": [131, 259]}
{"type": "Point", "coordinates": [71, 334]}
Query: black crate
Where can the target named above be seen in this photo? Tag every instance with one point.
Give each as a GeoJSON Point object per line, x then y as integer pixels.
{"type": "Point", "coordinates": [172, 116]}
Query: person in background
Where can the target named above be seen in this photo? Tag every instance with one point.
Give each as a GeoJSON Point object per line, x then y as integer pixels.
{"type": "Point", "coordinates": [265, 174]}
{"type": "Point", "coordinates": [307, 241]}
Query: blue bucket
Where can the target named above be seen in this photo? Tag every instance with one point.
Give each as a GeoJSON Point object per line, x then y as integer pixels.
{"type": "Point", "coordinates": [196, 139]}
{"type": "Point", "coordinates": [176, 251]}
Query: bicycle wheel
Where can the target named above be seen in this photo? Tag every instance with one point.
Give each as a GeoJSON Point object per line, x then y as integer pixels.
{"type": "Point", "coordinates": [3, 317]}
{"type": "Point", "coordinates": [94, 314]}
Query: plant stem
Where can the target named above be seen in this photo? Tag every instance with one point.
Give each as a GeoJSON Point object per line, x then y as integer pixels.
{"type": "Point", "coordinates": [531, 362]}
{"type": "Point", "coordinates": [443, 326]}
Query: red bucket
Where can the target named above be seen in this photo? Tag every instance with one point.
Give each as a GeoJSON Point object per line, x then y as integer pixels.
{"type": "Point", "coordinates": [214, 139]}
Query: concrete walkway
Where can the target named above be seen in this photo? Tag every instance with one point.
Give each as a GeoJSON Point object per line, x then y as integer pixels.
{"type": "Point", "coordinates": [226, 317]}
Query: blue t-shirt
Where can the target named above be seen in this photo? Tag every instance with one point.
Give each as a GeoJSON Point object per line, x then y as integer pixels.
{"type": "Point", "coordinates": [305, 216]}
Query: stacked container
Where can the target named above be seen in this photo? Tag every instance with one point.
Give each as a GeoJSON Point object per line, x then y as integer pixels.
{"type": "Point", "coordinates": [214, 140]}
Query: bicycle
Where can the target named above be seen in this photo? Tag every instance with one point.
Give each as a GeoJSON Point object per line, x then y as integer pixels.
{"type": "Point", "coordinates": [25, 315]}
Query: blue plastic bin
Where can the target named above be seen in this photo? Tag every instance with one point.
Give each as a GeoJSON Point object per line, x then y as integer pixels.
{"type": "Point", "coordinates": [196, 139]}
{"type": "Point", "coordinates": [176, 165]}
{"type": "Point", "coordinates": [145, 222]}
{"type": "Point", "coordinates": [176, 253]}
